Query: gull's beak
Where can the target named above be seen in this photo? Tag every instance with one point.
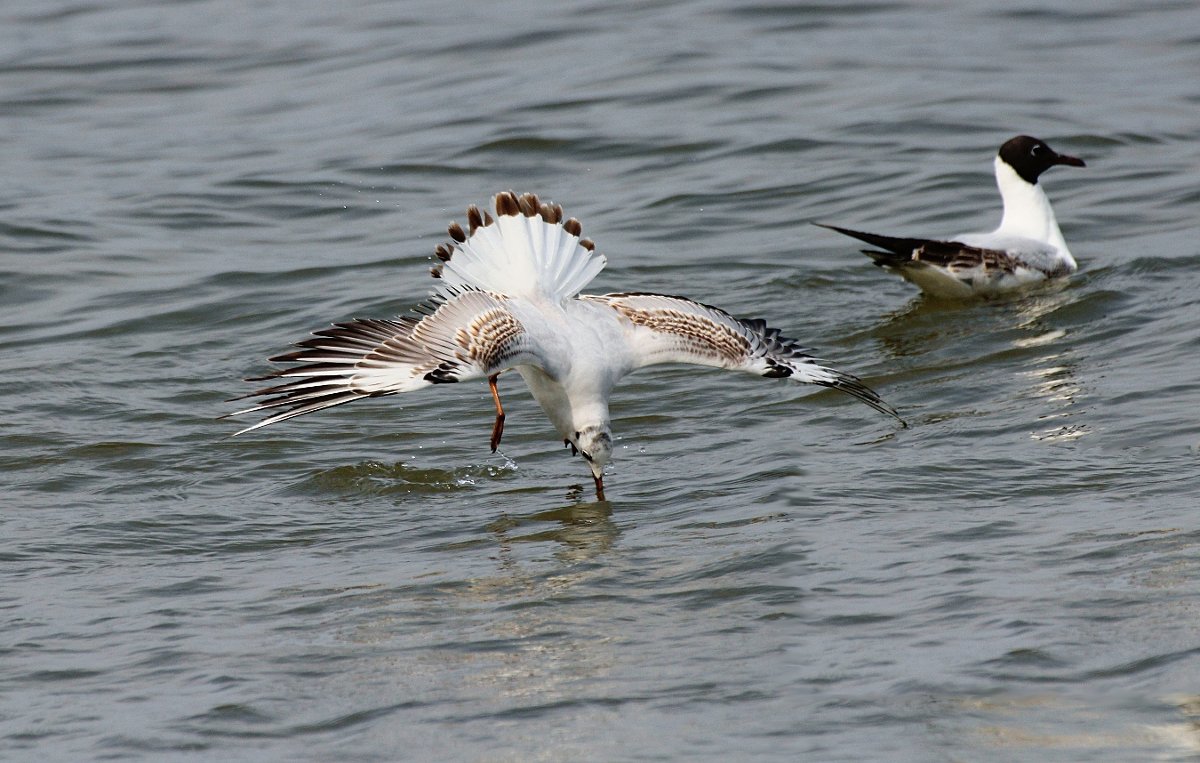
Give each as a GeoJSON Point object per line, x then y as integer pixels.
{"type": "Point", "coordinates": [1070, 161]}
{"type": "Point", "coordinates": [598, 479]}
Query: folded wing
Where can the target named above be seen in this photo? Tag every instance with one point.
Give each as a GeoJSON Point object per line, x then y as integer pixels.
{"type": "Point", "coordinates": [970, 258]}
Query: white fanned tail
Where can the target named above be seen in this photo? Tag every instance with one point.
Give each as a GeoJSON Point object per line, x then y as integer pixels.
{"type": "Point", "coordinates": [528, 250]}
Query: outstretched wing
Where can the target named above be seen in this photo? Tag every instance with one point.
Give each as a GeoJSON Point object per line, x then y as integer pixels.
{"type": "Point", "coordinates": [469, 335]}
{"type": "Point", "coordinates": [666, 329]}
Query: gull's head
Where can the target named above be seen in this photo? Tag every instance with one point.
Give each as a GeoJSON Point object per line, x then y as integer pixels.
{"type": "Point", "coordinates": [595, 444]}
{"type": "Point", "coordinates": [1030, 157]}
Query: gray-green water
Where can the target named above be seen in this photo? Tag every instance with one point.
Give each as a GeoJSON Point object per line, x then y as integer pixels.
{"type": "Point", "coordinates": [780, 574]}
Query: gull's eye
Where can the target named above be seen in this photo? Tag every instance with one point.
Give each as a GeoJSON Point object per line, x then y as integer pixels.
{"type": "Point", "coordinates": [1037, 147]}
{"type": "Point", "coordinates": [586, 456]}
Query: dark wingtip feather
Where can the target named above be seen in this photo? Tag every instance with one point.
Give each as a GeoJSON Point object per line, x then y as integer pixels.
{"type": "Point", "coordinates": [898, 249]}
{"type": "Point", "coordinates": [858, 389]}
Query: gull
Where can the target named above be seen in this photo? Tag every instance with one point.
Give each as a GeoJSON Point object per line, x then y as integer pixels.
{"type": "Point", "coordinates": [508, 297]}
{"type": "Point", "coordinates": [1027, 248]}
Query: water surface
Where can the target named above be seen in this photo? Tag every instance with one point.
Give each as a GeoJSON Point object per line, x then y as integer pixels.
{"type": "Point", "coordinates": [780, 573]}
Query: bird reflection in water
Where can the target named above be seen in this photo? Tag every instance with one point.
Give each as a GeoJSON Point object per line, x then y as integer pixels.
{"type": "Point", "coordinates": [583, 530]}
{"type": "Point", "coordinates": [541, 638]}
{"type": "Point", "coordinates": [1054, 378]}
{"type": "Point", "coordinates": [953, 338]}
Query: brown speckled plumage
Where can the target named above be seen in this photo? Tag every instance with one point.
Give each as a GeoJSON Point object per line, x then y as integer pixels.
{"type": "Point", "coordinates": [489, 338]}
{"type": "Point", "coordinates": [696, 334]}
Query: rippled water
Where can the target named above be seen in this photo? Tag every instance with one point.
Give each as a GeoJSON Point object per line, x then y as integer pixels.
{"type": "Point", "coordinates": [780, 574]}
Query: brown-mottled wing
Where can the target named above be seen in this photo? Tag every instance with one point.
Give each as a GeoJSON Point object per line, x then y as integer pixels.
{"type": "Point", "coordinates": [470, 335]}
{"type": "Point", "coordinates": [956, 256]}
{"type": "Point", "coordinates": [667, 329]}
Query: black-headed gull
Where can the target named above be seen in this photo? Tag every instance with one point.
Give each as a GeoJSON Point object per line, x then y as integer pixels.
{"type": "Point", "coordinates": [508, 298]}
{"type": "Point", "coordinates": [1027, 248]}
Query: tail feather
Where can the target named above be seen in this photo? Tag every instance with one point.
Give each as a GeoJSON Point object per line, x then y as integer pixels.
{"type": "Point", "coordinates": [526, 251]}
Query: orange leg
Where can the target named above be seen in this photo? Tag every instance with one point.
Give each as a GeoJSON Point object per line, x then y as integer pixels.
{"type": "Point", "coordinates": [498, 427]}
{"type": "Point", "coordinates": [599, 487]}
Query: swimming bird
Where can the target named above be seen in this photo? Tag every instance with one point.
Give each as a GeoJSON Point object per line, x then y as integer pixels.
{"type": "Point", "coordinates": [1027, 248]}
{"type": "Point", "coordinates": [508, 297]}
